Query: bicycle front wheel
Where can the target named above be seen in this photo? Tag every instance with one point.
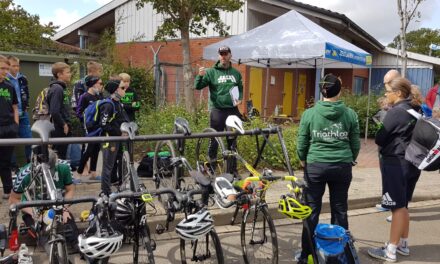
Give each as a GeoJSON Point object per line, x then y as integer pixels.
{"type": "Point", "coordinates": [216, 164]}
{"type": "Point", "coordinates": [58, 252]}
{"type": "Point", "coordinates": [258, 236]}
{"type": "Point", "coordinates": [206, 249]}
{"type": "Point", "coordinates": [142, 246]}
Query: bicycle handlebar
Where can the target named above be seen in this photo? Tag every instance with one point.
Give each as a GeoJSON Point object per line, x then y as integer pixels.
{"type": "Point", "coordinates": [13, 209]}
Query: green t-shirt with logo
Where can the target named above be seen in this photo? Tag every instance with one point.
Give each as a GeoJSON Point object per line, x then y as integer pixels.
{"type": "Point", "coordinates": [62, 177]}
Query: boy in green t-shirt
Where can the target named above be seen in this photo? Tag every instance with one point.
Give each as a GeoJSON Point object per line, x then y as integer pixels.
{"type": "Point", "coordinates": [62, 176]}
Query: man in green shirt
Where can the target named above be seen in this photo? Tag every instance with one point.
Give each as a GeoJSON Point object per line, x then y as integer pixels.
{"type": "Point", "coordinates": [225, 94]}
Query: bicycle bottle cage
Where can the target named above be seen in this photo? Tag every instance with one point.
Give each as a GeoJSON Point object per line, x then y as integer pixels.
{"type": "Point", "coordinates": [181, 126]}
{"type": "Point", "coordinates": [235, 122]}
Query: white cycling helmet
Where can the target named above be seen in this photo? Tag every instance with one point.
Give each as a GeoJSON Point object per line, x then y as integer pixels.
{"type": "Point", "coordinates": [195, 225]}
{"type": "Point", "coordinates": [100, 247]}
{"type": "Point", "coordinates": [224, 192]}
{"type": "Point", "coordinates": [235, 122]}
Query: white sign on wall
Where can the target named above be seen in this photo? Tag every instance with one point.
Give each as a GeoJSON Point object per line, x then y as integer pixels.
{"type": "Point", "coordinates": [45, 69]}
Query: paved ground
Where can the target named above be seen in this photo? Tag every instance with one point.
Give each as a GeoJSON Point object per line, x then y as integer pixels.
{"type": "Point", "coordinates": [365, 192]}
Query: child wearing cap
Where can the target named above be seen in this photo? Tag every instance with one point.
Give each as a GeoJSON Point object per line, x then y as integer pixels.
{"type": "Point", "coordinates": [328, 144]}
{"type": "Point", "coordinates": [110, 120]}
{"type": "Point", "coordinates": [94, 85]}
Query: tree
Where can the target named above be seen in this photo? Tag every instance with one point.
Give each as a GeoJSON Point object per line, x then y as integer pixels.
{"type": "Point", "coordinates": [21, 30]}
{"type": "Point", "coordinates": [407, 12]}
{"type": "Point", "coordinates": [190, 16]}
{"type": "Point", "coordinates": [419, 40]}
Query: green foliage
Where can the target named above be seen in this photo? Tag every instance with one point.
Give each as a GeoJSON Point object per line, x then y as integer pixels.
{"type": "Point", "coordinates": [419, 40]}
{"type": "Point", "coordinates": [190, 15]}
{"type": "Point", "coordinates": [21, 30]}
{"type": "Point", "coordinates": [161, 122]}
{"type": "Point", "coordinates": [359, 103]}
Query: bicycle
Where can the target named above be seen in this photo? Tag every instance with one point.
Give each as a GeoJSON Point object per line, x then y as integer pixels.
{"type": "Point", "coordinates": [42, 186]}
{"type": "Point", "coordinates": [171, 175]}
{"type": "Point", "coordinates": [57, 242]}
{"type": "Point", "coordinates": [199, 242]}
{"type": "Point", "coordinates": [129, 180]}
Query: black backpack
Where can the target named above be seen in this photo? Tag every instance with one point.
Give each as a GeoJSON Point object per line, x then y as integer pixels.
{"type": "Point", "coordinates": [423, 150]}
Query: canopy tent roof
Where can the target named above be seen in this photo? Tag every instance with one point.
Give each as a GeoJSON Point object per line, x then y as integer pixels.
{"type": "Point", "coordinates": [291, 41]}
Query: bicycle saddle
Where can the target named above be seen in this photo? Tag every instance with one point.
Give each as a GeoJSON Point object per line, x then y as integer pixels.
{"type": "Point", "coordinates": [43, 129]}
{"type": "Point", "coordinates": [130, 128]}
{"type": "Point", "coordinates": [235, 122]}
{"type": "Point", "coordinates": [181, 126]}
{"type": "Point", "coordinates": [200, 178]}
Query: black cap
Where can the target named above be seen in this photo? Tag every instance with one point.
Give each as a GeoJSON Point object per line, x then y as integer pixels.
{"type": "Point", "coordinates": [112, 86]}
{"type": "Point", "coordinates": [224, 49]}
{"type": "Point", "coordinates": [330, 86]}
{"type": "Point", "coordinates": [91, 80]}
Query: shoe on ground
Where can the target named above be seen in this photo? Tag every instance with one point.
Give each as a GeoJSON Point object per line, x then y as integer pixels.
{"type": "Point", "coordinates": [389, 219]}
{"type": "Point", "coordinates": [403, 250]}
{"type": "Point", "coordinates": [381, 209]}
{"type": "Point", "coordinates": [382, 253]}
{"type": "Point", "coordinates": [5, 196]}
{"type": "Point", "coordinates": [95, 178]}
{"type": "Point", "coordinates": [76, 181]}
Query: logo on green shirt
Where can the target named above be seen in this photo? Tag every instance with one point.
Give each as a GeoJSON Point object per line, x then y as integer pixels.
{"type": "Point", "coordinates": [5, 93]}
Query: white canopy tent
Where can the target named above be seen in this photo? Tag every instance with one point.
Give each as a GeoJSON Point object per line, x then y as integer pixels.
{"type": "Point", "coordinates": [292, 41]}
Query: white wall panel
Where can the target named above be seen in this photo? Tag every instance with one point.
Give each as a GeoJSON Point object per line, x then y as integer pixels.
{"type": "Point", "coordinates": [145, 21]}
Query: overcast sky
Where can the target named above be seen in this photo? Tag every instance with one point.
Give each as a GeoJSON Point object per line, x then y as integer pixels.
{"type": "Point", "coordinates": [378, 17]}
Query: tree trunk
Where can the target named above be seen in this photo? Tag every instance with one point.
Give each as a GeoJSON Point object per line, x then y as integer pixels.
{"type": "Point", "coordinates": [187, 72]}
{"type": "Point", "coordinates": [403, 22]}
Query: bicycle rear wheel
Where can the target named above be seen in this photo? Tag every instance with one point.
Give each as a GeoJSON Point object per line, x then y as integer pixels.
{"type": "Point", "coordinates": [125, 177]}
{"type": "Point", "coordinates": [165, 176]}
{"type": "Point", "coordinates": [258, 236]}
{"type": "Point", "coordinates": [205, 164]}
{"type": "Point", "coordinates": [206, 249]}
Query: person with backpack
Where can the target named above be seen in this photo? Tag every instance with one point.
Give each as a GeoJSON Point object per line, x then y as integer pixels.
{"type": "Point", "coordinates": [327, 145]}
{"type": "Point", "coordinates": [79, 87]}
{"type": "Point", "coordinates": [59, 105]}
{"type": "Point", "coordinates": [20, 82]}
{"type": "Point", "coordinates": [110, 117]}
{"type": "Point", "coordinates": [130, 101]}
{"type": "Point", "coordinates": [8, 124]}
{"type": "Point", "coordinates": [91, 152]}
{"type": "Point", "coordinates": [399, 176]}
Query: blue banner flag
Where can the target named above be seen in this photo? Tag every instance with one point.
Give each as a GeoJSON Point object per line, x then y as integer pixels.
{"type": "Point", "coordinates": [340, 54]}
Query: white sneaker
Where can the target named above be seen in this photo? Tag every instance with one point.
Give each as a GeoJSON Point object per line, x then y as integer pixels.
{"type": "Point", "coordinates": [389, 219]}
{"type": "Point", "coordinates": [382, 253]}
{"type": "Point", "coordinates": [380, 208]}
{"type": "Point", "coordinates": [403, 249]}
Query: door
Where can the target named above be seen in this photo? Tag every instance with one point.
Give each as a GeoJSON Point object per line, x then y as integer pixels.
{"type": "Point", "coordinates": [301, 101]}
{"type": "Point", "coordinates": [287, 93]}
{"type": "Point", "coordinates": [256, 87]}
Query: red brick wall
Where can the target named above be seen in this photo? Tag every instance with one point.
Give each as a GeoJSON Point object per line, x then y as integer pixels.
{"type": "Point", "coordinates": [141, 55]}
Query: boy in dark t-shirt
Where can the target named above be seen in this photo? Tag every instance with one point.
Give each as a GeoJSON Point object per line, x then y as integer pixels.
{"type": "Point", "coordinates": [8, 125]}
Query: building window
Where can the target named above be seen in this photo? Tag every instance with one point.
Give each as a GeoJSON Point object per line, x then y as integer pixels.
{"type": "Point", "coordinates": [359, 83]}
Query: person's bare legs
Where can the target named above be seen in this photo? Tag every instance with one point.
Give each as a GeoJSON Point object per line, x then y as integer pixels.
{"type": "Point", "coordinates": [399, 225]}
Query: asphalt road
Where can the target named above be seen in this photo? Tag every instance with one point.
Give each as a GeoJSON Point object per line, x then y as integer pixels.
{"type": "Point", "coordinates": [367, 225]}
